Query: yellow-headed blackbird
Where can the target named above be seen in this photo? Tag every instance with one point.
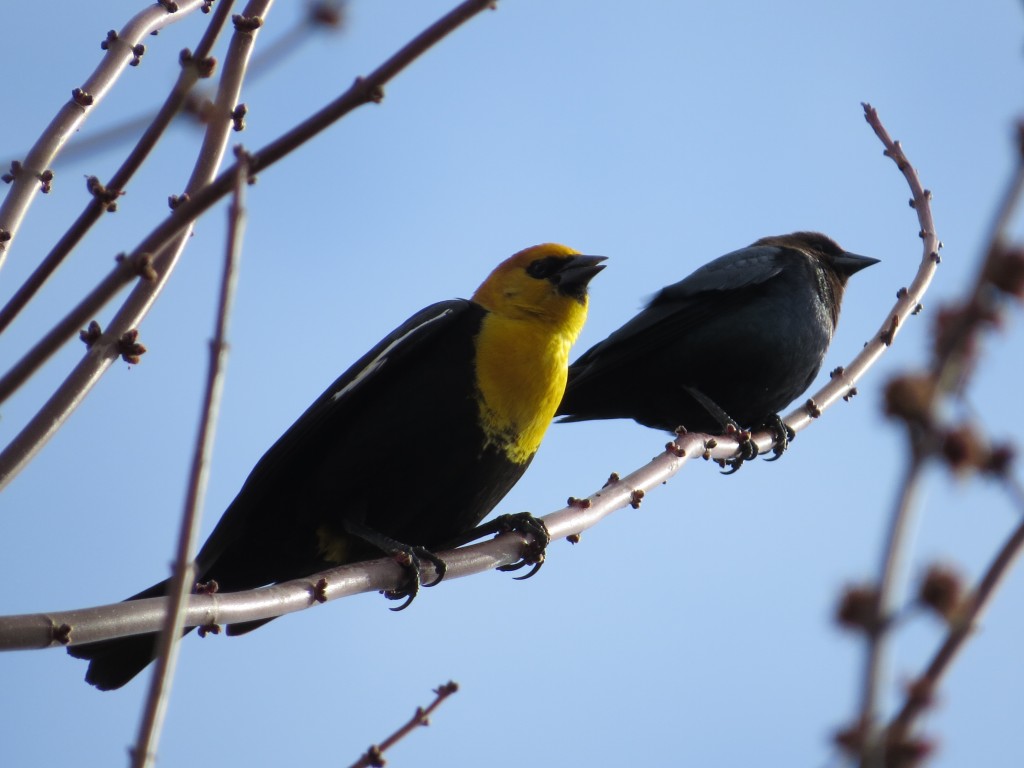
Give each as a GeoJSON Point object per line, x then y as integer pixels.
{"type": "Point", "coordinates": [732, 344]}
{"type": "Point", "coordinates": [410, 447]}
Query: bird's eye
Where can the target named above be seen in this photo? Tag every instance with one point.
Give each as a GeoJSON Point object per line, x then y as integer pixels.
{"type": "Point", "coordinates": [546, 267]}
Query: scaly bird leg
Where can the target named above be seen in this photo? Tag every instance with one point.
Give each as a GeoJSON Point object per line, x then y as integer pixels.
{"type": "Point", "coordinates": [784, 435]}
{"type": "Point", "coordinates": [407, 556]}
{"type": "Point", "coordinates": [532, 527]}
{"type": "Point", "coordinates": [748, 448]}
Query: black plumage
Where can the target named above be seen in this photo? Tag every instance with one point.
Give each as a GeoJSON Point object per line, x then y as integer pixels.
{"type": "Point", "coordinates": [413, 445]}
{"type": "Point", "coordinates": [742, 337]}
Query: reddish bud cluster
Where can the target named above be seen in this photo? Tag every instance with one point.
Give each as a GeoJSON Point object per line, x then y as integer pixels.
{"type": "Point", "coordinates": [1005, 271]}
{"type": "Point", "coordinates": [954, 329]}
{"type": "Point", "coordinates": [942, 591]}
{"type": "Point", "coordinates": [909, 397]}
{"type": "Point", "coordinates": [967, 451]}
{"type": "Point", "coordinates": [858, 608]}
{"type": "Point", "coordinates": [905, 753]}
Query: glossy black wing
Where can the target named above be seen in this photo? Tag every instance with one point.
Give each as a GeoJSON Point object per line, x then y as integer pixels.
{"type": "Point", "coordinates": [711, 290]}
{"type": "Point", "coordinates": [340, 403]}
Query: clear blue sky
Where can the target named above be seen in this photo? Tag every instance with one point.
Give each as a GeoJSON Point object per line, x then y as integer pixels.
{"type": "Point", "coordinates": [695, 631]}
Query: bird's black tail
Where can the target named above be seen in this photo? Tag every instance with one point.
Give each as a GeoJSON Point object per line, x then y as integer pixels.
{"type": "Point", "coordinates": [112, 663]}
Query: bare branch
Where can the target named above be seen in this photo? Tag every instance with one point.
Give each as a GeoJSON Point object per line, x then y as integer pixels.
{"type": "Point", "coordinates": [374, 756]}
{"type": "Point", "coordinates": [892, 568]}
{"type": "Point", "coordinates": [956, 340]}
{"type": "Point", "coordinates": [183, 577]}
{"type": "Point", "coordinates": [104, 196]}
{"type": "Point", "coordinates": [953, 350]}
{"type": "Point", "coordinates": [161, 256]}
{"type": "Point", "coordinates": [318, 16]}
{"type": "Point", "coordinates": [166, 241]}
{"type": "Point", "coordinates": [895, 546]}
{"type": "Point", "coordinates": [59, 628]}
{"type": "Point", "coordinates": [26, 182]}
{"type": "Point", "coordinates": [922, 690]}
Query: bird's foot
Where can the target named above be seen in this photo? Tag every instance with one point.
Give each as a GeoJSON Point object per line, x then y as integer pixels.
{"type": "Point", "coordinates": [784, 435]}
{"type": "Point", "coordinates": [531, 527]}
{"type": "Point", "coordinates": [410, 559]}
{"type": "Point", "coordinates": [747, 449]}
{"type": "Point", "coordinates": [537, 538]}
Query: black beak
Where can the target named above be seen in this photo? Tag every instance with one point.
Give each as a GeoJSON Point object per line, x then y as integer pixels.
{"type": "Point", "coordinates": [578, 271]}
{"type": "Point", "coordinates": [851, 263]}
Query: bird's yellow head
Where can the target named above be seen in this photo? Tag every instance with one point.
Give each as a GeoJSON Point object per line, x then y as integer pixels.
{"type": "Point", "coordinates": [546, 283]}
{"type": "Point", "coordinates": [537, 304]}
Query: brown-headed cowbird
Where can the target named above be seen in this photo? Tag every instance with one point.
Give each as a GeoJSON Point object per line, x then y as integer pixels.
{"type": "Point", "coordinates": [733, 343]}
{"type": "Point", "coordinates": [477, 382]}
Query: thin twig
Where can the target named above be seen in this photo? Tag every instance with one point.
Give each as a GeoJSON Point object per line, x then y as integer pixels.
{"type": "Point", "coordinates": [953, 354]}
{"type": "Point", "coordinates": [1016, 493]}
{"type": "Point", "coordinates": [895, 546]}
{"type": "Point", "coordinates": [316, 16]}
{"type": "Point", "coordinates": [374, 756]}
{"type": "Point", "coordinates": [286, 44]}
{"type": "Point", "coordinates": [183, 577]}
{"type": "Point", "coordinates": [891, 569]}
{"type": "Point", "coordinates": [949, 374]}
{"type": "Point", "coordinates": [924, 687]}
{"type": "Point", "coordinates": [161, 260]}
{"type": "Point", "coordinates": [193, 68]}
{"type": "Point", "coordinates": [53, 414]}
{"type": "Point", "coordinates": [70, 117]}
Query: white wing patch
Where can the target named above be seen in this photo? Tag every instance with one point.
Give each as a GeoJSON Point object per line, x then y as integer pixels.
{"type": "Point", "coordinates": [382, 358]}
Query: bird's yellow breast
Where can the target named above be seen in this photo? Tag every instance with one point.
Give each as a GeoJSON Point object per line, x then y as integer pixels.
{"type": "Point", "coordinates": [521, 369]}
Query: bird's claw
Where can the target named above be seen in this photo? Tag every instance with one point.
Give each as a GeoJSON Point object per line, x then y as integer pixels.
{"type": "Point", "coordinates": [747, 450]}
{"type": "Point", "coordinates": [538, 539]}
{"type": "Point", "coordinates": [536, 562]}
{"type": "Point", "coordinates": [733, 464]}
{"type": "Point", "coordinates": [784, 435]}
{"type": "Point", "coordinates": [410, 588]}
{"type": "Point", "coordinates": [410, 559]}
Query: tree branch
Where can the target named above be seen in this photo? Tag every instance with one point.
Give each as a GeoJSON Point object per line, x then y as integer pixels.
{"type": "Point", "coordinates": [158, 260]}
{"type": "Point", "coordinates": [193, 67]}
{"type": "Point", "coordinates": [956, 338]}
{"type": "Point", "coordinates": [144, 752]}
{"type": "Point", "coordinates": [160, 243]}
{"type": "Point", "coordinates": [374, 756]}
{"type": "Point", "coordinates": [923, 689]}
{"type": "Point", "coordinates": [893, 552]}
{"type": "Point", "coordinates": [26, 181]}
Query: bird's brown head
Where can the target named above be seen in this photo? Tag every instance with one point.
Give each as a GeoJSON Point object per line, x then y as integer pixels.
{"type": "Point", "coordinates": [837, 264]}
{"type": "Point", "coordinates": [825, 250]}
